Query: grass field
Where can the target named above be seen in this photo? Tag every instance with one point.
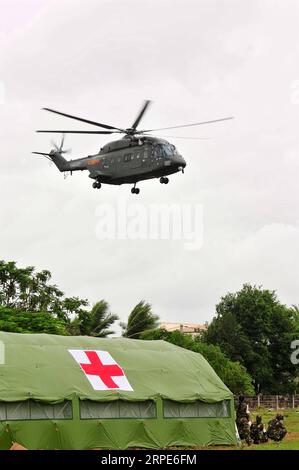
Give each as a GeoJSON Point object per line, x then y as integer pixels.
{"type": "Point", "coordinates": [291, 440]}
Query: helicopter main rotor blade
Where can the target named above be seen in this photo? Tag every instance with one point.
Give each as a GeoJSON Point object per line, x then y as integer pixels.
{"type": "Point", "coordinates": [81, 132]}
{"type": "Point", "coordinates": [93, 123]}
{"type": "Point", "coordinates": [141, 113]}
{"type": "Point", "coordinates": [187, 125]}
{"type": "Point", "coordinates": [179, 137]}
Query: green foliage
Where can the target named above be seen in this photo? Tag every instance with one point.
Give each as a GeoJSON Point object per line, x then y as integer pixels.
{"type": "Point", "coordinates": [32, 303]}
{"type": "Point", "coordinates": [71, 306]}
{"type": "Point", "coordinates": [254, 328]}
{"type": "Point", "coordinates": [19, 321]}
{"type": "Point", "coordinates": [233, 374]}
{"type": "Point", "coordinates": [140, 319]}
{"type": "Point", "coordinates": [27, 290]}
{"type": "Point", "coordinates": [95, 322]}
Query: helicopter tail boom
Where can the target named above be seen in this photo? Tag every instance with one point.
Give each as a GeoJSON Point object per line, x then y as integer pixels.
{"type": "Point", "coordinates": [58, 160]}
{"type": "Point", "coordinates": [56, 157]}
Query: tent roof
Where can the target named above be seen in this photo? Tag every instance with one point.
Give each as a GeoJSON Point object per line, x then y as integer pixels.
{"type": "Point", "coordinates": [39, 366]}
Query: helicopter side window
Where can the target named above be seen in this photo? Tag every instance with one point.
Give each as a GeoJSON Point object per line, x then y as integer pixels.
{"type": "Point", "coordinates": [158, 151]}
{"type": "Point", "coordinates": [128, 157]}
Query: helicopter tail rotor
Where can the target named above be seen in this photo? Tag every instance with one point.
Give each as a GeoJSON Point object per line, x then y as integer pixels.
{"type": "Point", "coordinates": [59, 149]}
{"type": "Point", "coordinates": [56, 157]}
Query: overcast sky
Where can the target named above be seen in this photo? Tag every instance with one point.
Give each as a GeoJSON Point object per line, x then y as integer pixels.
{"type": "Point", "coordinates": [197, 60]}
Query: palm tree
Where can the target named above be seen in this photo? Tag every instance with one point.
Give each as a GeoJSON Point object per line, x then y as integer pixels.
{"type": "Point", "coordinates": [140, 319]}
{"type": "Point", "coordinates": [95, 322]}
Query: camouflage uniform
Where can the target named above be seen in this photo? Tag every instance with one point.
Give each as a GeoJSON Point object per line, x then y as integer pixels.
{"type": "Point", "coordinates": [257, 433]}
{"type": "Point", "coordinates": [276, 430]}
{"type": "Point", "coordinates": [242, 421]}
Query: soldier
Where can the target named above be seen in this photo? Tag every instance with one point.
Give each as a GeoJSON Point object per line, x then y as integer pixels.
{"type": "Point", "coordinates": [242, 420]}
{"type": "Point", "coordinates": [258, 432]}
{"type": "Point", "coordinates": [276, 430]}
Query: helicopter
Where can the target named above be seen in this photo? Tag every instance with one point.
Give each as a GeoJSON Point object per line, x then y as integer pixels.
{"type": "Point", "coordinates": [137, 156]}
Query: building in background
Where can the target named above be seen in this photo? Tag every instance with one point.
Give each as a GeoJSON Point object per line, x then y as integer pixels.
{"type": "Point", "coordinates": [194, 329]}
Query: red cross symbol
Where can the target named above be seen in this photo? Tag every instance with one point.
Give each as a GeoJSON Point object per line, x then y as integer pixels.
{"type": "Point", "coordinates": [104, 371]}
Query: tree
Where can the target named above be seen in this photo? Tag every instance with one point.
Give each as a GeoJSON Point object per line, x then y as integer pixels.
{"type": "Point", "coordinates": [95, 322]}
{"type": "Point", "coordinates": [251, 326]}
{"type": "Point", "coordinates": [233, 374]}
{"type": "Point", "coordinates": [70, 307]}
{"type": "Point", "coordinates": [140, 319]}
{"type": "Point", "coordinates": [25, 290]}
{"type": "Point", "coordinates": [19, 321]}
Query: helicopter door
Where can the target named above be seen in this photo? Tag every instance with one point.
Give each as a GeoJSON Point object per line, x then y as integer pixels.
{"type": "Point", "coordinates": [138, 158]}
{"type": "Point", "coordinates": [108, 164]}
{"type": "Point", "coordinates": [146, 157]}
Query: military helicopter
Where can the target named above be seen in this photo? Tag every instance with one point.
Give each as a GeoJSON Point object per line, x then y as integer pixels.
{"type": "Point", "coordinates": [135, 157]}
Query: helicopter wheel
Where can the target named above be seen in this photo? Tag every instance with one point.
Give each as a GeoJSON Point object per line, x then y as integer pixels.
{"type": "Point", "coordinates": [96, 185]}
{"type": "Point", "coordinates": [164, 180]}
{"type": "Point", "coordinates": [135, 190]}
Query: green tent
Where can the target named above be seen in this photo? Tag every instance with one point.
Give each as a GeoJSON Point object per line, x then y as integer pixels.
{"type": "Point", "coordinates": [62, 392]}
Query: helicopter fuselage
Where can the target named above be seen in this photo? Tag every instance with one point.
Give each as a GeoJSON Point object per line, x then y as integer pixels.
{"type": "Point", "coordinates": [130, 160]}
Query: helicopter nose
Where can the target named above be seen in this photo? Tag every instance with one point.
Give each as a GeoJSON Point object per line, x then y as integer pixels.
{"type": "Point", "coordinates": [180, 162]}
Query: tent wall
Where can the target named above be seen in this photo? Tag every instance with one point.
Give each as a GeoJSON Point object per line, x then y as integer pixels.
{"type": "Point", "coordinates": [120, 433]}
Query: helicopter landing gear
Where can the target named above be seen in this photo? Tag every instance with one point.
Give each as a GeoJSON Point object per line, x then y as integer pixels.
{"type": "Point", "coordinates": [96, 185]}
{"type": "Point", "coordinates": [135, 190]}
{"type": "Point", "coordinates": [164, 180]}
